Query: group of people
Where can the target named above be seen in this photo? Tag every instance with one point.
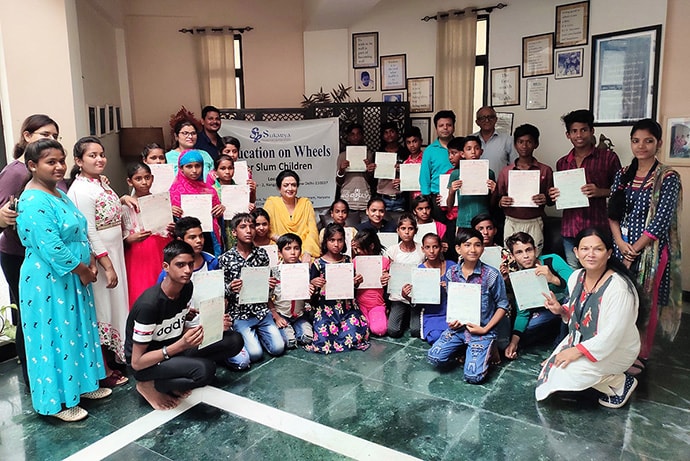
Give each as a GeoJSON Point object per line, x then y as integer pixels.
{"type": "Point", "coordinates": [95, 306]}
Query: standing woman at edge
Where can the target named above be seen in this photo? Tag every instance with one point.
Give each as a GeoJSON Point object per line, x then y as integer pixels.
{"type": "Point", "coordinates": [101, 207]}
{"type": "Point", "coordinates": [57, 305]}
{"type": "Point", "coordinates": [12, 178]}
{"type": "Point", "coordinates": [645, 205]}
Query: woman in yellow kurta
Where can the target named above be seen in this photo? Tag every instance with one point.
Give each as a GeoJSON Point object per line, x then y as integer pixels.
{"type": "Point", "coordinates": [290, 213]}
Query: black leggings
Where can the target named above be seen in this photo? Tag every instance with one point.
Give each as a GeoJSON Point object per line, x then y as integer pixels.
{"type": "Point", "coordinates": [11, 265]}
{"type": "Point", "coordinates": [193, 368]}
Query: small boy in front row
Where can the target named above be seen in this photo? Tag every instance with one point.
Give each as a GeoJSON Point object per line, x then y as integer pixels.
{"type": "Point", "coordinates": [494, 305]}
{"type": "Point", "coordinates": [252, 321]}
{"type": "Point", "coordinates": [289, 314]}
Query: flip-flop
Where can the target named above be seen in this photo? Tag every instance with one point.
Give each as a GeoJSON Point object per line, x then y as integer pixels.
{"type": "Point", "coordinates": [71, 415]}
{"type": "Point", "coordinates": [115, 379]}
{"type": "Point", "coordinates": [100, 393]}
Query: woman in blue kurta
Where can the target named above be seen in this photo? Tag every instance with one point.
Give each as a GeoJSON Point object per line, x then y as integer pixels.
{"type": "Point", "coordinates": [62, 346]}
{"type": "Point", "coordinates": [643, 214]}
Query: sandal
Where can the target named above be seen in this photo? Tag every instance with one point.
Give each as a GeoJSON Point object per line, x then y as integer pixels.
{"type": "Point", "coordinates": [71, 415]}
{"type": "Point", "coordinates": [100, 393]}
{"type": "Point", "coordinates": [115, 379]}
{"type": "Point", "coordinates": [638, 367]}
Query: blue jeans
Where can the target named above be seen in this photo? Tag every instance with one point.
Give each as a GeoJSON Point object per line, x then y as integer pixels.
{"type": "Point", "coordinates": [568, 245]}
{"type": "Point", "coordinates": [543, 326]}
{"type": "Point", "coordinates": [298, 331]}
{"type": "Point", "coordinates": [257, 333]}
{"type": "Point", "coordinates": [445, 349]}
{"type": "Point", "coordinates": [394, 204]}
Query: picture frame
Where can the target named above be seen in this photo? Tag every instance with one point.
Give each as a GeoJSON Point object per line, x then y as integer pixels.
{"type": "Point", "coordinates": [572, 24]}
{"type": "Point", "coordinates": [625, 76]}
{"type": "Point", "coordinates": [569, 63]}
{"type": "Point", "coordinates": [102, 121]}
{"type": "Point", "coordinates": [420, 91]}
{"type": "Point", "coordinates": [92, 113]}
{"type": "Point", "coordinates": [365, 50]}
{"type": "Point", "coordinates": [424, 125]}
{"type": "Point", "coordinates": [505, 86]}
{"type": "Point", "coordinates": [111, 118]}
{"type": "Point", "coordinates": [393, 96]}
{"type": "Point", "coordinates": [504, 122]}
{"type": "Point", "coordinates": [537, 93]}
{"type": "Point", "coordinates": [537, 55]}
{"type": "Point", "coordinates": [393, 70]}
{"type": "Point", "coordinates": [676, 147]}
{"type": "Point", "coordinates": [365, 79]}
{"type": "Point", "coordinates": [118, 119]}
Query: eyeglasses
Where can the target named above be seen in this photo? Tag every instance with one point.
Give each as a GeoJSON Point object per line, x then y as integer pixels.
{"type": "Point", "coordinates": [485, 118]}
{"type": "Point", "coordinates": [48, 134]}
{"type": "Point", "coordinates": [187, 134]}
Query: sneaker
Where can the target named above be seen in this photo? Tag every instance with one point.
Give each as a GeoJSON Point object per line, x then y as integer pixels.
{"type": "Point", "coordinates": [71, 415]}
{"type": "Point", "coordinates": [617, 401]}
{"type": "Point", "coordinates": [100, 393]}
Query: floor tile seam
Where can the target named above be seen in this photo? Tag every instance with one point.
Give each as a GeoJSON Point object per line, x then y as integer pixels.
{"type": "Point", "coordinates": [150, 450]}
{"type": "Point", "coordinates": [681, 409]}
{"type": "Point", "coordinates": [646, 456]}
{"type": "Point", "coordinates": [354, 373]}
{"type": "Point", "coordinates": [450, 448]}
{"type": "Point", "coordinates": [628, 433]}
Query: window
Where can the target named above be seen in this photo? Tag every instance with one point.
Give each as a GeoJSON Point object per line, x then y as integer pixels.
{"type": "Point", "coordinates": [481, 65]}
{"type": "Point", "coordinates": [239, 73]}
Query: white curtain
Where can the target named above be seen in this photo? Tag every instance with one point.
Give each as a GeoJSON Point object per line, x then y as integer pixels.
{"type": "Point", "coordinates": [215, 52]}
{"type": "Point", "coordinates": [456, 39]}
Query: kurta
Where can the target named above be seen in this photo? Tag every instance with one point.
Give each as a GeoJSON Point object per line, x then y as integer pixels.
{"type": "Point", "coordinates": [609, 339]}
{"type": "Point", "coordinates": [302, 222]}
{"type": "Point", "coordinates": [64, 359]}
{"type": "Point", "coordinates": [101, 207]}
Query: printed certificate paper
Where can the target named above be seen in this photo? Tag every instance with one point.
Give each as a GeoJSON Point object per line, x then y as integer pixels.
{"type": "Point", "coordinates": [370, 267]}
{"type": "Point", "coordinates": [339, 284]}
{"type": "Point", "coordinates": [569, 184]}
{"type": "Point", "coordinates": [208, 285]}
{"type": "Point", "coordinates": [409, 176]}
{"type": "Point", "coordinates": [272, 251]}
{"type": "Point", "coordinates": [492, 256]}
{"type": "Point", "coordinates": [254, 284]}
{"type": "Point", "coordinates": [522, 186]}
{"type": "Point", "coordinates": [236, 200]}
{"type": "Point", "coordinates": [388, 239]}
{"type": "Point", "coordinates": [401, 275]}
{"type": "Point", "coordinates": [211, 313]}
{"type": "Point", "coordinates": [356, 156]}
{"type": "Point", "coordinates": [528, 288]}
{"type": "Point", "coordinates": [385, 165]}
{"type": "Point", "coordinates": [155, 212]}
{"type": "Point", "coordinates": [199, 206]}
{"type": "Point", "coordinates": [423, 229]}
{"type": "Point", "coordinates": [426, 286]}
{"type": "Point", "coordinates": [474, 175]}
{"type": "Point", "coordinates": [443, 187]}
{"type": "Point", "coordinates": [241, 175]}
{"type": "Point", "coordinates": [294, 281]}
{"type": "Point", "coordinates": [464, 302]}
{"type": "Point", "coordinates": [163, 177]}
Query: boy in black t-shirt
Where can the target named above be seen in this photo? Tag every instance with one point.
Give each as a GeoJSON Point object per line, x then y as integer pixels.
{"type": "Point", "coordinates": [161, 353]}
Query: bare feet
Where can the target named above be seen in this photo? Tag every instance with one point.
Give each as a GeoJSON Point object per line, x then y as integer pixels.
{"type": "Point", "coordinates": [495, 358]}
{"type": "Point", "coordinates": [157, 400]}
{"type": "Point", "coordinates": [182, 394]}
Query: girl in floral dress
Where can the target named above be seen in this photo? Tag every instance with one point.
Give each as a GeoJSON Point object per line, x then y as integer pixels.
{"type": "Point", "coordinates": [339, 325]}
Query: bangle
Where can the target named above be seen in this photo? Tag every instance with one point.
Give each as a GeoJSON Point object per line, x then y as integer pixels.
{"type": "Point", "coordinates": [165, 353]}
{"type": "Point", "coordinates": [339, 175]}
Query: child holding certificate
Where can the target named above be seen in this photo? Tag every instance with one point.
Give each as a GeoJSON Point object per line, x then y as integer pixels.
{"type": "Point", "coordinates": [153, 154]}
{"type": "Point", "coordinates": [371, 300]}
{"type": "Point", "coordinates": [406, 252]}
{"type": "Point", "coordinates": [539, 324]}
{"type": "Point", "coordinates": [252, 321]}
{"type": "Point", "coordinates": [434, 315]}
{"type": "Point", "coordinates": [289, 313]}
{"type": "Point", "coordinates": [339, 325]}
{"type": "Point", "coordinates": [422, 210]}
{"type": "Point", "coordinates": [339, 211]}
{"type": "Point", "coordinates": [143, 250]}
{"type": "Point", "coordinates": [477, 339]}
{"type": "Point", "coordinates": [413, 143]}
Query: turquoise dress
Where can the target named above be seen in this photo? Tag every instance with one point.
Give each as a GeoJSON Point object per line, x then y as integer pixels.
{"type": "Point", "coordinates": [59, 318]}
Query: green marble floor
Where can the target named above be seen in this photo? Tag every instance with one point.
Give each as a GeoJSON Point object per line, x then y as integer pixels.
{"type": "Point", "coordinates": [388, 395]}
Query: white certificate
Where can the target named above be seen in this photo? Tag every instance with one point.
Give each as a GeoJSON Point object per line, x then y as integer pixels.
{"type": "Point", "coordinates": [443, 187]}
{"type": "Point", "coordinates": [409, 176]}
{"type": "Point", "coordinates": [356, 155]}
{"type": "Point", "coordinates": [528, 288]}
{"type": "Point", "coordinates": [211, 313]}
{"type": "Point", "coordinates": [385, 165]}
{"type": "Point", "coordinates": [272, 251]}
{"type": "Point", "coordinates": [241, 175]}
{"type": "Point", "coordinates": [254, 284]}
{"type": "Point", "coordinates": [492, 256]}
{"type": "Point", "coordinates": [163, 177]}
{"type": "Point", "coordinates": [371, 268]}
{"type": "Point", "coordinates": [208, 285]}
{"type": "Point", "coordinates": [401, 275]}
{"type": "Point", "coordinates": [155, 212]}
{"type": "Point", "coordinates": [426, 286]}
{"type": "Point", "coordinates": [464, 303]}
{"type": "Point", "coordinates": [569, 184]}
{"type": "Point", "coordinates": [522, 186]}
{"type": "Point", "coordinates": [199, 206]}
{"type": "Point", "coordinates": [474, 175]}
{"type": "Point", "coordinates": [339, 283]}
{"type": "Point", "coordinates": [388, 239]}
{"type": "Point", "coordinates": [349, 235]}
{"type": "Point", "coordinates": [294, 281]}
{"type": "Point", "coordinates": [423, 229]}
{"type": "Point", "coordinates": [235, 198]}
